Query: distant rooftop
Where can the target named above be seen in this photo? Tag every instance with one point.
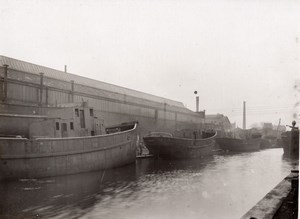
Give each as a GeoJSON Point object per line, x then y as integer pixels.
{"type": "Point", "coordinates": [61, 75]}
{"type": "Point", "coordinates": [214, 116]}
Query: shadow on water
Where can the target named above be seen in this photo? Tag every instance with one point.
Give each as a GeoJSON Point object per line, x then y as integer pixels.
{"type": "Point", "coordinates": [62, 197]}
{"type": "Point", "coordinates": [73, 196]}
{"type": "Point", "coordinates": [154, 165]}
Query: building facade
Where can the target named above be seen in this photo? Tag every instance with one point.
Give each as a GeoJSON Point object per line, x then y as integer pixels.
{"type": "Point", "coordinates": [219, 123]}
{"type": "Point", "coordinates": [30, 89]}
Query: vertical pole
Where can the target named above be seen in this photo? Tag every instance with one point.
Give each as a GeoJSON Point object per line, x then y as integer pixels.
{"type": "Point", "coordinates": [5, 83]}
{"type": "Point", "coordinates": [197, 103]}
{"type": "Point", "coordinates": [41, 87]}
{"type": "Point", "coordinates": [244, 115]}
{"type": "Point", "coordinates": [165, 114]}
{"type": "Point", "coordinates": [72, 91]}
{"type": "Point", "coordinates": [47, 96]}
{"type": "Point", "coordinates": [294, 141]}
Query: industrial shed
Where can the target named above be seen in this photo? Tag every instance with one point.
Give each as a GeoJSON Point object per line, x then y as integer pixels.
{"type": "Point", "coordinates": [29, 89]}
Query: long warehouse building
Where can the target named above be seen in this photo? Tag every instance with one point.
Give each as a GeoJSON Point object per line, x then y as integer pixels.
{"type": "Point", "coordinates": [28, 88]}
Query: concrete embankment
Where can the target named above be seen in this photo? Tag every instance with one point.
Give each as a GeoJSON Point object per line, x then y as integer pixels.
{"type": "Point", "coordinates": [280, 202]}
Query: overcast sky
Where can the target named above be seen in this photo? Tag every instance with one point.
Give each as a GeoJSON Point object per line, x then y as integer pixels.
{"type": "Point", "coordinates": [230, 51]}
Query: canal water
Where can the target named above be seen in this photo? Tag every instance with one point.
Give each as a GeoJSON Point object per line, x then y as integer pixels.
{"type": "Point", "coordinates": [226, 185]}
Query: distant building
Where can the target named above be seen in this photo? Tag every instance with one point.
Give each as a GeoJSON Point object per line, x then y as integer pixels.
{"type": "Point", "coordinates": [218, 122]}
{"type": "Point", "coordinates": [280, 128]}
{"type": "Point", "coordinates": [267, 126]}
{"type": "Point", "coordinates": [272, 131]}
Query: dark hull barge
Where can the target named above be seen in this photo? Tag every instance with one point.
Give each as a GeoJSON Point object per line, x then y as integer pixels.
{"type": "Point", "coordinates": [167, 146]}
{"type": "Point", "coordinates": [239, 145]}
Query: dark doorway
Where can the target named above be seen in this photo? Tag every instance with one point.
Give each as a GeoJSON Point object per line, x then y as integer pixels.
{"type": "Point", "coordinates": [64, 131]}
{"type": "Point", "coordinates": [82, 120]}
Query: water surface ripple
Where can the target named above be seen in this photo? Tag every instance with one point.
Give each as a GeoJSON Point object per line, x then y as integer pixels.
{"type": "Point", "coordinates": [222, 186]}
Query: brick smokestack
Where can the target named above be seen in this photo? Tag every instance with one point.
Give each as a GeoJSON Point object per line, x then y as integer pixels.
{"type": "Point", "coordinates": [197, 104]}
{"type": "Point", "coordinates": [244, 115]}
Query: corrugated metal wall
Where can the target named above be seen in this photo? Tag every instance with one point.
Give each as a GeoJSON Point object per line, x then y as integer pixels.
{"type": "Point", "coordinates": [34, 69]}
{"type": "Point", "coordinates": [113, 107]}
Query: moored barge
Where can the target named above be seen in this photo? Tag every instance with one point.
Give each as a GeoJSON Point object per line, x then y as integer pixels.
{"type": "Point", "coordinates": [239, 145]}
{"type": "Point", "coordinates": [166, 146]}
{"type": "Point", "coordinates": [54, 146]}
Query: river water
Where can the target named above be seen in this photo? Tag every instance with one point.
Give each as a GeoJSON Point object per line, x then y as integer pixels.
{"type": "Point", "coordinates": [222, 186]}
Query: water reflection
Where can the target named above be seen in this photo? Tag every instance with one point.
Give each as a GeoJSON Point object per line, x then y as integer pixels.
{"type": "Point", "coordinates": [221, 186]}
{"type": "Point", "coordinates": [61, 197]}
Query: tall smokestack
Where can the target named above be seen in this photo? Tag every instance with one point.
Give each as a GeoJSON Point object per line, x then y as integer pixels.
{"type": "Point", "coordinates": [197, 104]}
{"type": "Point", "coordinates": [197, 101]}
{"type": "Point", "coordinates": [66, 68]}
{"type": "Point", "coordinates": [244, 115]}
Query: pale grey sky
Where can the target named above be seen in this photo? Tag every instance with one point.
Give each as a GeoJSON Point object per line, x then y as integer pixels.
{"type": "Point", "coordinates": [227, 50]}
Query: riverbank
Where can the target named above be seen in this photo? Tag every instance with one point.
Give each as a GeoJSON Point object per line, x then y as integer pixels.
{"type": "Point", "coordinates": [280, 202]}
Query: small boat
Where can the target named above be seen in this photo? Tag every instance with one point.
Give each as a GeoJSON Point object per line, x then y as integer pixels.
{"type": "Point", "coordinates": [270, 142]}
{"type": "Point", "coordinates": [165, 145]}
{"type": "Point", "coordinates": [144, 156]}
{"type": "Point", "coordinates": [239, 145]}
{"type": "Point", "coordinates": [55, 146]}
{"type": "Point", "coordinates": [266, 143]}
{"type": "Point", "coordinates": [120, 127]}
{"type": "Point", "coordinates": [241, 140]}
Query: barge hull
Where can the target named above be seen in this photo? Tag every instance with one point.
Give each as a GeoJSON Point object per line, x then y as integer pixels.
{"type": "Point", "coordinates": [169, 147]}
{"type": "Point", "coordinates": [23, 158]}
{"type": "Point", "coordinates": [239, 145]}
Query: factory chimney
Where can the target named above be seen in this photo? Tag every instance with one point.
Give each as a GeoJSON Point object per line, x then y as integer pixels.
{"type": "Point", "coordinates": [197, 103]}
{"type": "Point", "coordinates": [244, 115]}
{"type": "Point", "coordinates": [66, 68]}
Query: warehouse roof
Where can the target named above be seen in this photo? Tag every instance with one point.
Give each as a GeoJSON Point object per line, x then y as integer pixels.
{"type": "Point", "coordinates": [61, 75]}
